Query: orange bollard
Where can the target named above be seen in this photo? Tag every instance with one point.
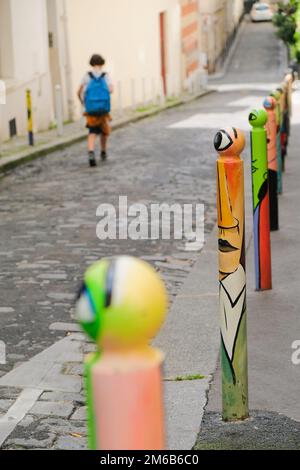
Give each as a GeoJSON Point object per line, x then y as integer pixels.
{"type": "Point", "coordinates": [229, 143]}
{"type": "Point", "coordinates": [128, 402]}
{"type": "Point", "coordinates": [271, 128]}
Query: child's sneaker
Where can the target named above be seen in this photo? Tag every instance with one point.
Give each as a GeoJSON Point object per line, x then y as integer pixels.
{"type": "Point", "coordinates": [103, 156]}
{"type": "Point", "coordinates": [92, 159]}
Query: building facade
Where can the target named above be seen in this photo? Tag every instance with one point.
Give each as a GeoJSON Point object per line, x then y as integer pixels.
{"type": "Point", "coordinates": [219, 20]}
{"type": "Point", "coordinates": [139, 39]}
{"type": "Point", "coordinates": [24, 64]}
{"type": "Point", "coordinates": [152, 47]}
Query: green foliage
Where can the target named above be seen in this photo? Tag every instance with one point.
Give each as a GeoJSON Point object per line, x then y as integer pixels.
{"type": "Point", "coordinates": [286, 21]}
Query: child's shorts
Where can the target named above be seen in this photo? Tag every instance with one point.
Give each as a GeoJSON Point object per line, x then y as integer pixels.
{"type": "Point", "coordinates": [98, 124]}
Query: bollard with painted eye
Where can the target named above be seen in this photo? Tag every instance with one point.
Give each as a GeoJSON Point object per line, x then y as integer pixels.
{"type": "Point", "coordinates": [229, 143]}
{"type": "Point", "coordinates": [286, 115]}
{"type": "Point", "coordinates": [121, 306]}
{"type": "Point", "coordinates": [29, 118]}
{"type": "Point", "coordinates": [283, 130]}
{"type": "Point", "coordinates": [271, 128]}
{"type": "Point", "coordinates": [289, 80]}
{"type": "Point", "coordinates": [261, 202]}
{"type": "Point", "coordinates": [275, 95]}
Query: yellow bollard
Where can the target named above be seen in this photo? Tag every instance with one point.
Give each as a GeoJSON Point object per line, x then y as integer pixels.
{"type": "Point", "coordinates": [229, 143]}
{"type": "Point", "coordinates": [121, 306]}
{"type": "Point", "coordinates": [271, 128]}
{"type": "Point", "coordinates": [29, 118]}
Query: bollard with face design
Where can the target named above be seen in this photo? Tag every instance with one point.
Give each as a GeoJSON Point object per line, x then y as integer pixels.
{"type": "Point", "coordinates": [276, 95]}
{"type": "Point", "coordinates": [289, 80]}
{"type": "Point", "coordinates": [121, 306]}
{"type": "Point", "coordinates": [261, 202]}
{"type": "Point", "coordinates": [271, 128]}
{"type": "Point", "coordinates": [229, 143]}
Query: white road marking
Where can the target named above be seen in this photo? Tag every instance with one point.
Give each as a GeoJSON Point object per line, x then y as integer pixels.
{"type": "Point", "coordinates": [44, 371]}
{"type": "Point", "coordinates": [17, 412]}
{"type": "Point", "coordinates": [214, 121]}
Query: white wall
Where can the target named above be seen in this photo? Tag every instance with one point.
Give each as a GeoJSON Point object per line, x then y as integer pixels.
{"type": "Point", "coordinates": [26, 39]}
{"type": "Point", "coordinates": [126, 33]}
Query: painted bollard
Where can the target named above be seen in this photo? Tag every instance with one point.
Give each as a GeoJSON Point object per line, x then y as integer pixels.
{"type": "Point", "coordinates": [121, 306]}
{"type": "Point", "coordinates": [275, 95]}
{"type": "Point", "coordinates": [271, 128]}
{"type": "Point", "coordinates": [289, 80]}
{"type": "Point", "coordinates": [286, 116]}
{"type": "Point", "coordinates": [229, 143]}
{"type": "Point", "coordinates": [29, 118]}
{"type": "Point", "coordinates": [261, 202]}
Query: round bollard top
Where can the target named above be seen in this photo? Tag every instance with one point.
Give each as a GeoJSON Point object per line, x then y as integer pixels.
{"type": "Point", "coordinates": [258, 117]}
{"type": "Point", "coordinates": [276, 94]}
{"type": "Point", "coordinates": [230, 142]}
{"type": "Point", "coordinates": [122, 303]}
{"type": "Point", "coordinates": [270, 103]}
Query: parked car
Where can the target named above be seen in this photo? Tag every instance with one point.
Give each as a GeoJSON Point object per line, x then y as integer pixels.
{"type": "Point", "coordinates": [261, 12]}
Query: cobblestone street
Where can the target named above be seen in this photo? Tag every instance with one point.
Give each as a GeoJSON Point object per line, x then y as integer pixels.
{"type": "Point", "coordinates": [48, 232]}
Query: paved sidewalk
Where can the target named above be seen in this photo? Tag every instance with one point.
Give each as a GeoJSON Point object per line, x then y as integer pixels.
{"type": "Point", "coordinates": [42, 403]}
{"type": "Point", "coordinates": [16, 151]}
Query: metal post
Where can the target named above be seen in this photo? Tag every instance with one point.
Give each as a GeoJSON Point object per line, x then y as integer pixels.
{"type": "Point", "coordinates": [133, 96]}
{"type": "Point", "coordinates": [229, 143]}
{"type": "Point", "coordinates": [271, 128]}
{"type": "Point", "coordinates": [153, 91]}
{"type": "Point", "coordinates": [29, 118]}
{"type": "Point", "coordinates": [59, 111]}
{"type": "Point", "coordinates": [261, 201]}
{"type": "Point", "coordinates": [275, 95]}
{"type": "Point", "coordinates": [120, 98]}
{"type": "Point", "coordinates": [124, 381]}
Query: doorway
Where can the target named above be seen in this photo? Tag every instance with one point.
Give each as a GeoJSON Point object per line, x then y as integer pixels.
{"type": "Point", "coordinates": [162, 24]}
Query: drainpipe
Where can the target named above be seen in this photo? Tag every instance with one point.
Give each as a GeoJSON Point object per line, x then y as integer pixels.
{"type": "Point", "coordinates": [68, 68]}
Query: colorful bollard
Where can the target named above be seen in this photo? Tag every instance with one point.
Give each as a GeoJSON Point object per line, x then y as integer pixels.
{"type": "Point", "coordinates": [229, 143]}
{"type": "Point", "coordinates": [29, 118]}
{"type": "Point", "coordinates": [121, 306]}
{"type": "Point", "coordinates": [289, 80]}
{"type": "Point", "coordinates": [283, 129]}
{"type": "Point", "coordinates": [271, 128]}
{"type": "Point", "coordinates": [286, 114]}
{"type": "Point", "coordinates": [261, 202]}
{"type": "Point", "coordinates": [275, 95]}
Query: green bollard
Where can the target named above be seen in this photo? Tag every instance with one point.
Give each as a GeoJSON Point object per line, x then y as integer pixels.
{"type": "Point", "coordinates": [261, 201]}
{"type": "Point", "coordinates": [121, 306]}
{"type": "Point", "coordinates": [229, 143]}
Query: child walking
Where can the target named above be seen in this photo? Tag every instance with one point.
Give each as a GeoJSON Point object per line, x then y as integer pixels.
{"type": "Point", "coordinates": [94, 94]}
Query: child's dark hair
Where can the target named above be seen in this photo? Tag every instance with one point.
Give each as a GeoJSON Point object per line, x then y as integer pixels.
{"type": "Point", "coordinates": [97, 60]}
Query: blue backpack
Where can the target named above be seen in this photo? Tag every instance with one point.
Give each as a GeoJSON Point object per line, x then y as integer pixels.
{"type": "Point", "coordinates": [97, 96]}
